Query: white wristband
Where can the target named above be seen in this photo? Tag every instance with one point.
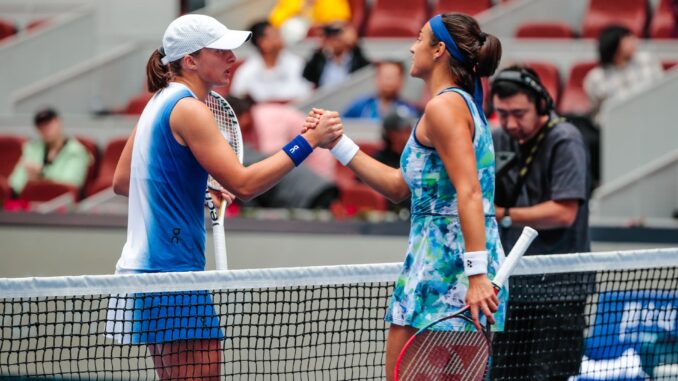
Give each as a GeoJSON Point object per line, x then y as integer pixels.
{"type": "Point", "coordinates": [475, 262]}
{"type": "Point", "coordinates": [345, 150]}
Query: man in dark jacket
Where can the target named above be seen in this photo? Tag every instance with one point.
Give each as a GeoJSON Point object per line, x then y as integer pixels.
{"type": "Point", "coordinates": [338, 56]}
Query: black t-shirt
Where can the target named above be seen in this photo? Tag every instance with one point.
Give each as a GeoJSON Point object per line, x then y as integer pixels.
{"type": "Point", "coordinates": [560, 171]}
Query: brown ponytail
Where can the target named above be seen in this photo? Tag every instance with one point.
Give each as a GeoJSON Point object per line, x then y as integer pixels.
{"type": "Point", "coordinates": [482, 51]}
{"type": "Point", "coordinates": [157, 74]}
{"type": "Point", "coordinates": [489, 56]}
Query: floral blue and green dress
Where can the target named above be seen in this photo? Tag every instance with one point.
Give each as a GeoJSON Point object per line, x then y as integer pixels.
{"type": "Point", "coordinates": [432, 283]}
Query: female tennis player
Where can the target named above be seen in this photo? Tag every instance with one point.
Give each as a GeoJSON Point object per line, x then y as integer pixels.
{"type": "Point", "coordinates": [163, 169]}
{"type": "Point", "coordinates": [448, 169]}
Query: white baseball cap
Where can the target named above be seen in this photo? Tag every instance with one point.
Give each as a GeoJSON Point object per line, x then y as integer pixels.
{"type": "Point", "coordinates": [190, 33]}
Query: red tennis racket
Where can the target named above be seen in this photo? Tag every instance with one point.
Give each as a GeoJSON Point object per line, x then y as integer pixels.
{"type": "Point", "coordinates": [436, 353]}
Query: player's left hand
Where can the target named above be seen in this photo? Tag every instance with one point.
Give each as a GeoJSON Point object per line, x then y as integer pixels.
{"type": "Point", "coordinates": [223, 196]}
{"type": "Point", "coordinates": [481, 297]}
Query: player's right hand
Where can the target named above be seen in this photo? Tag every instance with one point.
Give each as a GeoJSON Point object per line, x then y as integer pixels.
{"type": "Point", "coordinates": [328, 129]}
{"type": "Point", "coordinates": [481, 298]}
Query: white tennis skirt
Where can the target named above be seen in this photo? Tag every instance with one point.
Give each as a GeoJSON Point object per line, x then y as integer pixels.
{"type": "Point", "coordinates": [157, 317]}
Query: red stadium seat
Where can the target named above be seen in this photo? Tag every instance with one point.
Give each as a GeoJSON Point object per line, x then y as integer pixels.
{"type": "Point", "coordinates": [545, 29]}
{"type": "Point", "coordinates": [396, 18]}
{"type": "Point", "coordinates": [36, 24]}
{"type": "Point", "coordinates": [109, 161]}
{"type": "Point", "coordinates": [358, 14]}
{"type": "Point", "coordinates": [663, 23]}
{"type": "Point", "coordinates": [10, 153]}
{"type": "Point", "coordinates": [361, 197]}
{"type": "Point", "coordinates": [549, 75]}
{"type": "Point", "coordinates": [574, 100]}
{"type": "Point", "coordinates": [44, 190]}
{"type": "Point", "coordinates": [7, 29]}
{"type": "Point", "coordinates": [136, 105]}
{"type": "Point", "coordinates": [5, 190]}
{"type": "Point", "coordinates": [94, 164]}
{"type": "Point", "coordinates": [601, 13]}
{"type": "Point", "coordinates": [669, 64]}
{"type": "Point", "coordinates": [469, 7]}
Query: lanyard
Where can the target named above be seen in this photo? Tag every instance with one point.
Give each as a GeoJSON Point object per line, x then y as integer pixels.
{"type": "Point", "coordinates": [525, 167]}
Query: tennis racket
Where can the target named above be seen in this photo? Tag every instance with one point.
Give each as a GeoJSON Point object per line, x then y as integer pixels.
{"type": "Point", "coordinates": [230, 129]}
{"type": "Point", "coordinates": [437, 353]}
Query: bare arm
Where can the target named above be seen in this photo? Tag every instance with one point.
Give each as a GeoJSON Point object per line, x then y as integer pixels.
{"type": "Point", "coordinates": [546, 215]}
{"type": "Point", "coordinates": [123, 169]}
{"type": "Point", "coordinates": [194, 123]}
{"type": "Point", "coordinates": [382, 178]}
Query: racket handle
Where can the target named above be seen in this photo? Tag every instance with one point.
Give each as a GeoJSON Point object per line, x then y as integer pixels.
{"type": "Point", "coordinates": [526, 237]}
{"type": "Point", "coordinates": [220, 256]}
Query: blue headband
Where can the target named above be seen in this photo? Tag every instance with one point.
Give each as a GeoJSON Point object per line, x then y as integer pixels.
{"type": "Point", "coordinates": [442, 34]}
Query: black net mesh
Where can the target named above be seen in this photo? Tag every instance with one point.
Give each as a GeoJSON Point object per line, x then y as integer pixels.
{"type": "Point", "coordinates": [591, 325]}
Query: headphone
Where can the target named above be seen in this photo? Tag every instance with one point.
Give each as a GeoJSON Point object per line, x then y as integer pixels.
{"type": "Point", "coordinates": [527, 80]}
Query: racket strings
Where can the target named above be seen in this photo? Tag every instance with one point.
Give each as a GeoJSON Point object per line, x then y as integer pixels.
{"type": "Point", "coordinates": [448, 355]}
{"type": "Point", "coordinates": [229, 127]}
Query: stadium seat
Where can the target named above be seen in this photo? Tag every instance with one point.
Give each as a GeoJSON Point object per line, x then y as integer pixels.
{"type": "Point", "coordinates": [469, 7]}
{"type": "Point", "coordinates": [94, 164]}
{"type": "Point", "coordinates": [10, 153]}
{"type": "Point", "coordinates": [550, 77]}
{"type": "Point", "coordinates": [358, 14]}
{"type": "Point", "coordinates": [601, 13]}
{"type": "Point", "coordinates": [109, 161]}
{"type": "Point", "coordinates": [5, 190]}
{"type": "Point", "coordinates": [662, 24]}
{"type": "Point", "coordinates": [136, 105]}
{"type": "Point", "coordinates": [36, 24]}
{"type": "Point", "coordinates": [574, 100]}
{"type": "Point", "coordinates": [669, 64]}
{"type": "Point", "coordinates": [396, 18]}
{"type": "Point", "coordinates": [545, 29]}
{"type": "Point", "coordinates": [361, 197]}
{"type": "Point", "coordinates": [44, 190]}
{"type": "Point", "coordinates": [7, 29]}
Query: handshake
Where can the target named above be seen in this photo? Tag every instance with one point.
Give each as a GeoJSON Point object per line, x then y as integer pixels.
{"type": "Point", "coordinates": [323, 128]}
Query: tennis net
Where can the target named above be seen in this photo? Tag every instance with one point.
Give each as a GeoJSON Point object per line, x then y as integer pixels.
{"type": "Point", "coordinates": [594, 316]}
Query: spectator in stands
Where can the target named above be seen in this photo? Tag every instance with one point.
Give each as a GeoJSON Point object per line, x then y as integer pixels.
{"type": "Point", "coordinates": [389, 82]}
{"type": "Point", "coordinates": [272, 73]}
{"type": "Point", "coordinates": [338, 56]}
{"type": "Point", "coordinates": [622, 69]}
{"type": "Point", "coordinates": [53, 156]}
{"type": "Point", "coordinates": [308, 186]}
{"type": "Point", "coordinates": [396, 130]}
{"type": "Point", "coordinates": [545, 187]}
{"type": "Point", "coordinates": [309, 12]}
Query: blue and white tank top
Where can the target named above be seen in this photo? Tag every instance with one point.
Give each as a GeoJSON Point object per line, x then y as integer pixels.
{"type": "Point", "coordinates": [165, 226]}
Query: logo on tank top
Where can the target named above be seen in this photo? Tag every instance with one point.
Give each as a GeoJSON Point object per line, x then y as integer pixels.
{"type": "Point", "coordinates": [175, 235]}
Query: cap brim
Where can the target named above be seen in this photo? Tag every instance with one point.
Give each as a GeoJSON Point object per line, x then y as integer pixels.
{"type": "Point", "coordinates": [231, 40]}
